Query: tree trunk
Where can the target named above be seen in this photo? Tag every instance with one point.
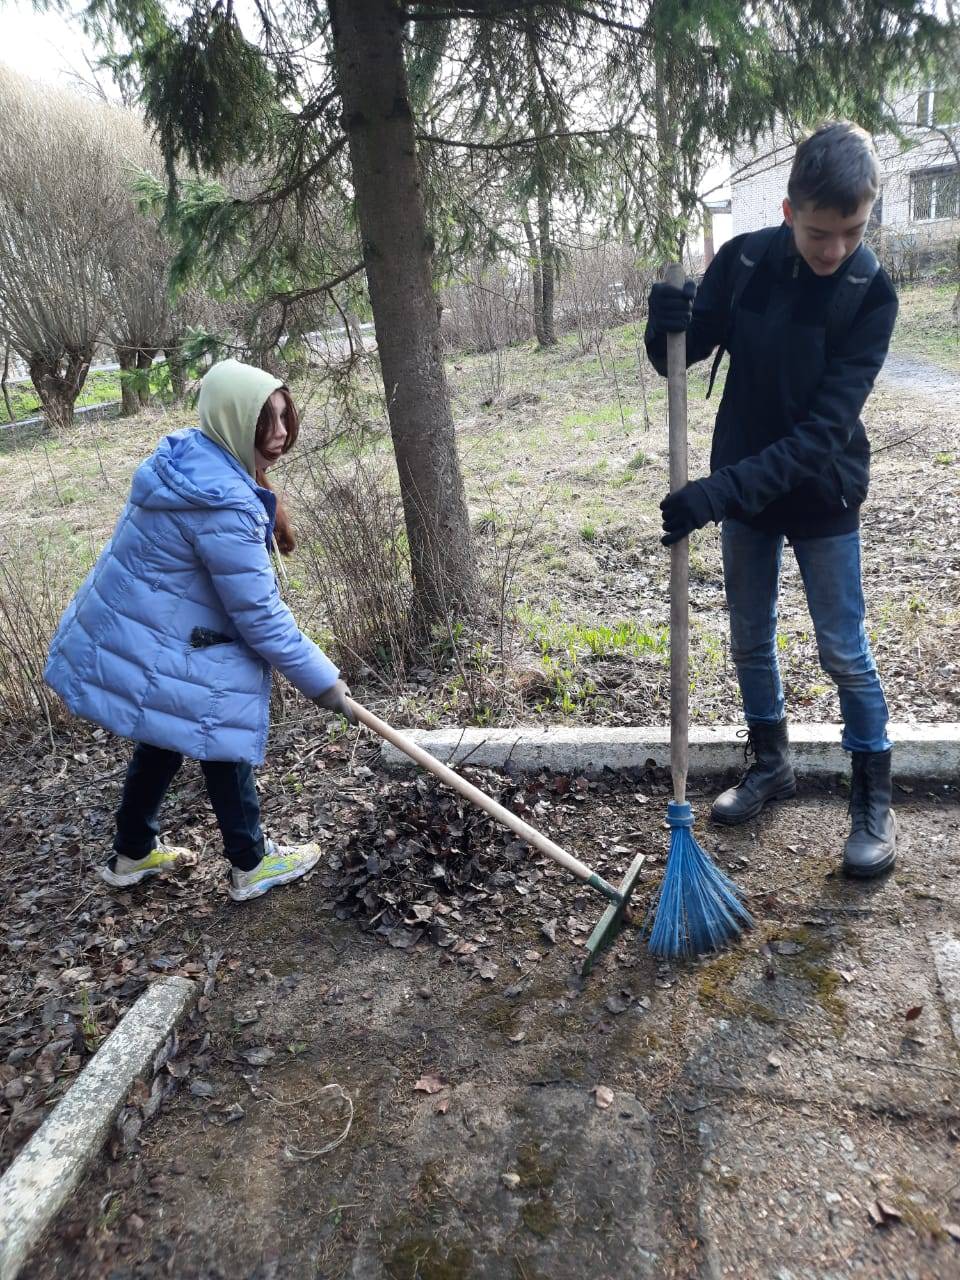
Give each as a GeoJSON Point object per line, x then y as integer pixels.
{"type": "Point", "coordinates": [547, 262]}
{"type": "Point", "coordinates": [536, 275]}
{"type": "Point", "coordinates": [144, 365]}
{"type": "Point", "coordinates": [3, 381]}
{"type": "Point", "coordinates": [58, 391]}
{"type": "Point", "coordinates": [177, 370]}
{"type": "Point", "coordinates": [129, 401]}
{"type": "Point", "coordinates": [397, 249]}
{"type": "Point", "coordinates": [708, 250]}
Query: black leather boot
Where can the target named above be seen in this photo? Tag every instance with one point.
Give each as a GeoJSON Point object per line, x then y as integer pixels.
{"type": "Point", "coordinates": [871, 847]}
{"type": "Point", "coordinates": [769, 777]}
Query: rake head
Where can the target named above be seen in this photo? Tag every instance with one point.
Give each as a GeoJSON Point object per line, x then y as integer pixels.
{"type": "Point", "coordinates": [612, 919]}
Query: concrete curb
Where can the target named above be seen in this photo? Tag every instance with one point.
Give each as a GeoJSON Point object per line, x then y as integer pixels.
{"type": "Point", "coordinates": [43, 1176]}
{"type": "Point", "coordinates": [922, 751]}
{"type": "Point", "coordinates": [946, 957]}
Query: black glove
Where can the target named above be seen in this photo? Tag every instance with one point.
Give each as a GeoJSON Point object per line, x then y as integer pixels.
{"type": "Point", "coordinates": [688, 509]}
{"type": "Point", "coordinates": [670, 310]}
{"type": "Point", "coordinates": [335, 699]}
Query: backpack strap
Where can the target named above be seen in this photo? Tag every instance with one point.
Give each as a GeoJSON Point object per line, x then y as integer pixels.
{"type": "Point", "coordinates": [849, 294]}
{"type": "Point", "coordinates": [752, 251]}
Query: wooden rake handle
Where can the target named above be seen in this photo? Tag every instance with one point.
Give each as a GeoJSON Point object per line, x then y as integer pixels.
{"type": "Point", "coordinates": [473, 794]}
{"type": "Point", "coordinates": [679, 555]}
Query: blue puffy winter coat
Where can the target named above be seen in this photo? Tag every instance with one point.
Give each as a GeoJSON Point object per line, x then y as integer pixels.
{"type": "Point", "coordinates": [189, 550]}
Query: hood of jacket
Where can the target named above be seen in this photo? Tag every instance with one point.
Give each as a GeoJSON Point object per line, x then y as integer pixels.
{"type": "Point", "coordinates": [188, 471]}
{"type": "Point", "coordinates": [231, 397]}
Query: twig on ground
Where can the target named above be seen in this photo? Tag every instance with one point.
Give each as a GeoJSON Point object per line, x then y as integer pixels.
{"type": "Point", "coordinates": [295, 1153]}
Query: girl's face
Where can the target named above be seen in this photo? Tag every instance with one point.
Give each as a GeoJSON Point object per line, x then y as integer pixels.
{"type": "Point", "coordinates": [271, 446]}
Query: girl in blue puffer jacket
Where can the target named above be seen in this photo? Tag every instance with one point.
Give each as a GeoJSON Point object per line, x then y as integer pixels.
{"type": "Point", "coordinates": [172, 638]}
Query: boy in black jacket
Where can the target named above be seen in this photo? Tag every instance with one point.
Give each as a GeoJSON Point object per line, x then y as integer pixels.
{"type": "Point", "coordinates": [806, 315]}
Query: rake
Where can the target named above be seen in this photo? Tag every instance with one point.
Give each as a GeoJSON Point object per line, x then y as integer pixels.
{"type": "Point", "coordinates": [612, 919]}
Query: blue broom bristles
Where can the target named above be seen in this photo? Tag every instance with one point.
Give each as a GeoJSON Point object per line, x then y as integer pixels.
{"type": "Point", "coordinates": [698, 908]}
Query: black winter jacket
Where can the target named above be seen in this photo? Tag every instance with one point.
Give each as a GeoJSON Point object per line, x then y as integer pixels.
{"type": "Point", "coordinates": [790, 454]}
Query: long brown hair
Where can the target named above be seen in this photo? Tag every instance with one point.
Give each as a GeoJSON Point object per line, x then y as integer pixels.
{"type": "Point", "coordinates": [282, 528]}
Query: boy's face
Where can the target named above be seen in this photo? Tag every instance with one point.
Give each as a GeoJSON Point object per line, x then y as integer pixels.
{"type": "Point", "coordinates": [824, 237]}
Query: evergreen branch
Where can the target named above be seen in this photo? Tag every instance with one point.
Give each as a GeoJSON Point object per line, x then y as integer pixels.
{"type": "Point", "coordinates": [293, 296]}
{"type": "Point", "coordinates": [508, 8]}
{"type": "Point", "coordinates": [297, 181]}
{"type": "Point", "coordinates": [508, 144]}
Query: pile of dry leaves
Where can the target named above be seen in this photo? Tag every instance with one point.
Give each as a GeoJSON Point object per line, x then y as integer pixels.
{"type": "Point", "coordinates": [424, 865]}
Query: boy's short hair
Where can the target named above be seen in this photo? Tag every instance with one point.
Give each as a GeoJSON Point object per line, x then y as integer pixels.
{"type": "Point", "coordinates": [835, 168]}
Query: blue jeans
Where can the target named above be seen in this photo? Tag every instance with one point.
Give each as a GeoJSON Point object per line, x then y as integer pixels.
{"type": "Point", "coordinates": [830, 569]}
{"type": "Point", "coordinates": [232, 793]}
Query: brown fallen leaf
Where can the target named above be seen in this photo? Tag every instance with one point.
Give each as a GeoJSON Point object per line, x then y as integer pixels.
{"type": "Point", "coordinates": [602, 1096]}
{"type": "Point", "coordinates": [913, 1013]}
{"type": "Point", "coordinates": [428, 1084]}
{"type": "Point", "coordinates": [443, 1106]}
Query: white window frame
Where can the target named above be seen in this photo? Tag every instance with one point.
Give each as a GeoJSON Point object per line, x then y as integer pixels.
{"type": "Point", "coordinates": [931, 174]}
{"type": "Point", "coordinates": [925, 110]}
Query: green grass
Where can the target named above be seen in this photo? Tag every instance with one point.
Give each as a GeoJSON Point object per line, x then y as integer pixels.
{"type": "Point", "coordinates": [926, 329]}
{"type": "Point", "coordinates": [603, 415]}
{"type": "Point", "coordinates": [551, 634]}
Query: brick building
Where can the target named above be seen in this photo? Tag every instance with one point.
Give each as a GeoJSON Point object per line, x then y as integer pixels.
{"type": "Point", "coordinates": [918, 207]}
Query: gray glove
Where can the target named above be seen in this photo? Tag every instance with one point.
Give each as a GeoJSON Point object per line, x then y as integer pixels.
{"type": "Point", "coordinates": [335, 699]}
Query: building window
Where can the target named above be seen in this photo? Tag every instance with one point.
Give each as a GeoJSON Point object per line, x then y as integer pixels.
{"type": "Point", "coordinates": [936, 107]}
{"type": "Point", "coordinates": [935, 194]}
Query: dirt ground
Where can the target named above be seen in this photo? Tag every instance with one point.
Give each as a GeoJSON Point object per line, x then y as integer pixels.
{"type": "Point", "coordinates": [788, 1108]}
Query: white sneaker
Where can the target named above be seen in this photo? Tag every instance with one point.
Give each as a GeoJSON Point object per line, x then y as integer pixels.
{"type": "Point", "coordinates": [280, 864]}
{"type": "Point", "coordinates": [126, 871]}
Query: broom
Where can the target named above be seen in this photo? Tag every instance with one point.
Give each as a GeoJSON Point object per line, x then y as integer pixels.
{"type": "Point", "coordinates": [698, 908]}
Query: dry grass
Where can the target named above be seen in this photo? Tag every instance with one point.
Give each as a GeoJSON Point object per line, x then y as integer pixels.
{"type": "Point", "coordinates": [564, 467]}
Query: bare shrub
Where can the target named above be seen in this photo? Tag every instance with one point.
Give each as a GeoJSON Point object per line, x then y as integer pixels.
{"type": "Point", "coordinates": [354, 564]}
{"type": "Point", "coordinates": [487, 309]}
{"type": "Point", "coordinates": [634, 276]}
{"type": "Point", "coordinates": [589, 293]}
{"type": "Point", "coordinates": [355, 556]}
{"type": "Point", "coordinates": [34, 590]}
{"type": "Point", "coordinates": [62, 200]}
{"type": "Point", "coordinates": [486, 657]}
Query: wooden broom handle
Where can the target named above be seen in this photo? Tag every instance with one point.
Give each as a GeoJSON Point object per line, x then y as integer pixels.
{"type": "Point", "coordinates": [470, 792]}
{"type": "Point", "coordinates": [679, 554]}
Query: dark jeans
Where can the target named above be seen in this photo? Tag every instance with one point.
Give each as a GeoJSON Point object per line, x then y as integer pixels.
{"type": "Point", "coordinates": [230, 788]}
